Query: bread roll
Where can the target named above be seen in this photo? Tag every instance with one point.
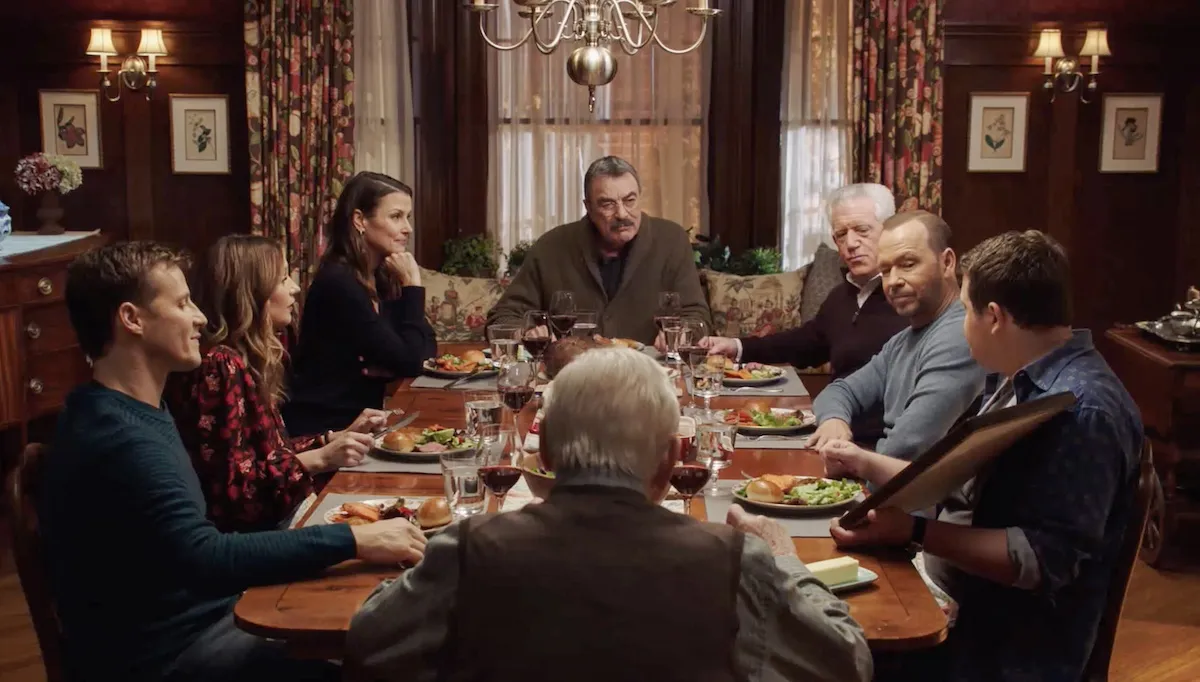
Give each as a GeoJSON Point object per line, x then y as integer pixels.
{"type": "Point", "coordinates": [398, 441]}
{"type": "Point", "coordinates": [763, 491]}
{"type": "Point", "coordinates": [433, 512]}
{"type": "Point", "coordinates": [473, 356]}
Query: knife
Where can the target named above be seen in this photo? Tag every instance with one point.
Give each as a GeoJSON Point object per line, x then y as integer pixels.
{"type": "Point", "coordinates": [400, 424]}
{"type": "Point", "coordinates": [466, 378]}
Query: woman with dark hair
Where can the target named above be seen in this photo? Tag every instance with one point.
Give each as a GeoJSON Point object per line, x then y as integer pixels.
{"type": "Point", "coordinates": [365, 309]}
{"type": "Point", "coordinates": [227, 410]}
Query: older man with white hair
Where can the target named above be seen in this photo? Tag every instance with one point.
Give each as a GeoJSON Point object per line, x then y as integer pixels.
{"type": "Point", "coordinates": [855, 320]}
{"type": "Point", "coordinates": [600, 582]}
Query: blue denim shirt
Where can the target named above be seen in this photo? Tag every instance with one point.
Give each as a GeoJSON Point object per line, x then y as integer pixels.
{"type": "Point", "coordinates": [1069, 487]}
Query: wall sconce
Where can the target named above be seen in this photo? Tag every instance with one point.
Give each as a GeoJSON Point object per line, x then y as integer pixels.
{"type": "Point", "coordinates": [136, 73]}
{"type": "Point", "coordinates": [1066, 74]}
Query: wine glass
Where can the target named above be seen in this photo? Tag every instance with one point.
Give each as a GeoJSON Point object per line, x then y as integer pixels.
{"type": "Point", "coordinates": [498, 475]}
{"type": "Point", "coordinates": [707, 382]}
{"type": "Point", "coordinates": [667, 317]}
{"type": "Point", "coordinates": [689, 479]}
{"type": "Point", "coordinates": [537, 334]}
{"type": "Point", "coordinates": [715, 441]}
{"type": "Point", "coordinates": [517, 383]}
{"type": "Point", "coordinates": [562, 313]}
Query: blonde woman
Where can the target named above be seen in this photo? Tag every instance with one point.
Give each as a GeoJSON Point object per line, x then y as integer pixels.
{"type": "Point", "coordinates": [227, 411]}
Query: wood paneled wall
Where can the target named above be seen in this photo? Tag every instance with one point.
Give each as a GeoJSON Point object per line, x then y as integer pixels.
{"type": "Point", "coordinates": [135, 195]}
{"type": "Point", "coordinates": [1132, 237]}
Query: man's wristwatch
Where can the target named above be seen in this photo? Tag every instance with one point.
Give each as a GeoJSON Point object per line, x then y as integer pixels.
{"type": "Point", "coordinates": [916, 543]}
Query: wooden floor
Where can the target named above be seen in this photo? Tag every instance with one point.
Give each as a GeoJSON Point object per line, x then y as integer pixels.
{"type": "Point", "coordinates": [1159, 639]}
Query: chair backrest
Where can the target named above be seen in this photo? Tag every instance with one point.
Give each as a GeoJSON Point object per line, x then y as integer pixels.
{"type": "Point", "coordinates": [1106, 634]}
{"type": "Point", "coordinates": [22, 490]}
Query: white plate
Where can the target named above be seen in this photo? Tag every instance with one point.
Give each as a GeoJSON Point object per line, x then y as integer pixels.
{"type": "Point", "coordinates": [807, 420]}
{"type": "Point", "coordinates": [432, 370]}
{"type": "Point", "coordinates": [331, 516]}
{"type": "Point", "coordinates": [865, 577]}
{"type": "Point", "coordinates": [416, 456]}
{"type": "Point", "coordinates": [797, 509]}
{"type": "Point", "coordinates": [738, 383]}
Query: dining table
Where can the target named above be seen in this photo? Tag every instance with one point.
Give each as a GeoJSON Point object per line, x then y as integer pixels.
{"type": "Point", "coordinates": [897, 611]}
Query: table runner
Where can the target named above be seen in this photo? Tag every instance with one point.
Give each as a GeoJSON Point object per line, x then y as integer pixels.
{"type": "Point", "coordinates": [815, 526]}
{"type": "Point", "coordinates": [790, 387]}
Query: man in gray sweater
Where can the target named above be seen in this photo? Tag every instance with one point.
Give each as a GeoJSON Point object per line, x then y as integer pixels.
{"type": "Point", "coordinates": [924, 376]}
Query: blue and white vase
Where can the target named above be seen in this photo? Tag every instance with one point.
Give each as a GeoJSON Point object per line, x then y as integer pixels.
{"type": "Point", "coordinates": [5, 222]}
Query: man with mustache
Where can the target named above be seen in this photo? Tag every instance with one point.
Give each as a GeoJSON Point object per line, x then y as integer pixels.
{"type": "Point", "coordinates": [924, 377]}
{"type": "Point", "coordinates": [855, 320]}
{"type": "Point", "coordinates": [615, 260]}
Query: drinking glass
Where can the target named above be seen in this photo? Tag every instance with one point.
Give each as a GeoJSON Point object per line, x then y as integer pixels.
{"type": "Point", "coordinates": [715, 441]}
{"type": "Point", "coordinates": [688, 451]}
{"type": "Point", "coordinates": [670, 307]}
{"type": "Point", "coordinates": [504, 339]}
{"type": "Point", "coordinates": [672, 329]}
{"type": "Point", "coordinates": [537, 334]}
{"type": "Point", "coordinates": [585, 324]}
{"type": "Point", "coordinates": [517, 383]}
{"type": "Point", "coordinates": [482, 408]}
{"type": "Point", "coordinates": [689, 479]}
{"type": "Point", "coordinates": [460, 478]}
{"type": "Point", "coordinates": [707, 382]}
{"type": "Point", "coordinates": [562, 313]}
{"type": "Point", "coordinates": [497, 474]}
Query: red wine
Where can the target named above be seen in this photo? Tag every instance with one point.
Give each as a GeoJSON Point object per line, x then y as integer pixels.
{"type": "Point", "coordinates": [499, 478]}
{"type": "Point", "coordinates": [536, 345]}
{"type": "Point", "coordinates": [689, 479]}
{"type": "Point", "coordinates": [516, 397]}
{"type": "Point", "coordinates": [563, 323]}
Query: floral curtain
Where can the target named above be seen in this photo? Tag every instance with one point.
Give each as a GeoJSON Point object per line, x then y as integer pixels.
{"type": "Point", "coordinates": [300, 104]}
{"type": "Point", "coordinates": [897, 98]}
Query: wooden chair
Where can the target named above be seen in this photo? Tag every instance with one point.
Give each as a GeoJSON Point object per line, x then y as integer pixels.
{"type": "Point", "coordinates": [22, 491]}
{"type": "Point", "coordinates": [1106, 634]}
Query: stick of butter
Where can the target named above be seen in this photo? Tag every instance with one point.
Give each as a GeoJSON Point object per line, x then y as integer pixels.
{"type": "Point", "coordinates": [843, 569]}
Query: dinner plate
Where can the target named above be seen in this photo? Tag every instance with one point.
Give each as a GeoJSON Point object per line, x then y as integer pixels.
{"type": "Point", "coordinates": [765, 381]}
{"type": "Point", "coordinates": [432, 370]}
{"type": "Point", "coordinates": [865, 577]}
{"type": "Point", "coordinates": [796, 509]}
{"type": "Point", "coordinates": [414, 456]}
{"type": "Point", "coordinates": [807, 420]}
{"type": "Point", "coordinates": [331, 516]}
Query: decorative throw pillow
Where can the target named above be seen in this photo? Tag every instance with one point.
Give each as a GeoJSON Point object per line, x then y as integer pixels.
{"type": "Point", "coordinates": [754, 306]}
{"type": "Point", "coordinates": [457, 307]}
{"type": "Point", "coordinates": [824, 274]}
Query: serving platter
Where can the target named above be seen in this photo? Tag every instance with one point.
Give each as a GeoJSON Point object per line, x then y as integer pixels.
{"type": "Point", "coordinates": [1161, 332]}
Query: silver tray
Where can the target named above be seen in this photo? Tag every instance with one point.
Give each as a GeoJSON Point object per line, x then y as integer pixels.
{"type": "Point", "coordinates": [1162, 333]}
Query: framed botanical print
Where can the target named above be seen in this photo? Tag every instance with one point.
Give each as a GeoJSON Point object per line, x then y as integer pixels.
{"type": "Point", "coordinates": [70, 121]}
{"type": "Point", "coordinates": [997, 134]}
{"type": "Point", "coordinates": [200, 134]}
{"type": "Point", "coordinates": [1129, 138]}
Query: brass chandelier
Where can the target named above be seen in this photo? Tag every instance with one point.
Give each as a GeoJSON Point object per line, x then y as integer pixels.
{"type": "Point", "coordinates": [596, 24]}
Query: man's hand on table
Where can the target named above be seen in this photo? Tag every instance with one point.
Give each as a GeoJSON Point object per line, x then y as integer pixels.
{"type": "Point", "coordinates": [391, 541]}
{"type": "Point", "coordinates": [887, 527]}
{"type": "Point", "coordinates": [775, 535]}
{"type": "Point", "coordinates": [830, 429]}
{"type": "Point", "coordinates": [720, 345]}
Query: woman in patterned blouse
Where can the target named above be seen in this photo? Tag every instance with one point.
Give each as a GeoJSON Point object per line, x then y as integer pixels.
{"type": "Point", "coordinates": [227, 410]}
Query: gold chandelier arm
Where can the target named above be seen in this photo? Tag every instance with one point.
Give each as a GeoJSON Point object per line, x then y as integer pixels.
{"type": "Point", "coordinates": [540, 13]}
{"type": "Point", "coordinates": [703, 31]}
{"type": "Point", "coordinates": [628, 44]}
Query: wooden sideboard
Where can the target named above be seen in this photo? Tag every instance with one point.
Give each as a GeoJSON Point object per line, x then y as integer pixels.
{"type": "Point", "coordinates": [1165, 383]}
{"type": "Point", "coordinates": [40, 360]}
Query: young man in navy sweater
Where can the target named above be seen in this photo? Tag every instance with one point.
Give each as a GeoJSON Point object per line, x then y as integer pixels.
{"type": "Point", "coordinates": [144, 584]}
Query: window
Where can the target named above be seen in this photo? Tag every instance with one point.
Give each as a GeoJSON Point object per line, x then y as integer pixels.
{"type": "Point", "coordinates": [543, 137]}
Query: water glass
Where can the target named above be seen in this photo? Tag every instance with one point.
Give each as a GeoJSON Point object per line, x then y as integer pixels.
{"type": "Point", "coordinates": [715, 441]}
{"type": "Point", "coordinates": [460, 477]}
{"type": "Point", "coordinates": [672, 330]}
{"type": "Point", "coordinates": [688, 450]}
{"type": "Point", "coordinates": [504, 340]}
{"type": "Point", "coordinates": [585, 324]}
{"type": "Point", "coordinates": [482, 407]}
{"type": "Point", "coordinates": [494, 441]}
{"type": "Point", "coordinates": [707, 382]}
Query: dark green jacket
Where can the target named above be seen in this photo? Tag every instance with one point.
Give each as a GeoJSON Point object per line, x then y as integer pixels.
{"type": "Point", "coordinates": [567, 258]}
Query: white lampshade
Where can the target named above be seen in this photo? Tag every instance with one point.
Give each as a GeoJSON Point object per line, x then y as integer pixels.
{"type": "Point", "coordinates": [101, 43]}
{"type": "Point", "coordinates": [1096, 43]}
{"type": "Point", "coordinates": [152, 43]}
{"type": "Point", "coordinates": [1050, 44]}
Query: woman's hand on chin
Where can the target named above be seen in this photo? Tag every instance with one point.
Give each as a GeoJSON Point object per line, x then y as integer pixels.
{"type": "Point", "coordinates": [406, 268]}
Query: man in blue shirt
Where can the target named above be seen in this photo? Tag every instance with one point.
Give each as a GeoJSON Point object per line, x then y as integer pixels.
{"type": "Point", "coordinates": [1026, 548]}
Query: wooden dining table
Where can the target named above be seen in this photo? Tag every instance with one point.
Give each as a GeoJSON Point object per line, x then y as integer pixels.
{"type": "Point", "coordinates": [897, 612]}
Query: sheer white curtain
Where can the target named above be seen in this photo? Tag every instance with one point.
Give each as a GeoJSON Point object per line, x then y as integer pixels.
{"type": "Point", "coordinates": [383, 111]}
{"type": "Point", "coordinates": [816, 129]}
{"type": "Point", "coordinates": [543, 137]}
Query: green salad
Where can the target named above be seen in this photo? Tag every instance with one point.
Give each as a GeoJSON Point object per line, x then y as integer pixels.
{"type": "Point", "coordinates": [814, 492]}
